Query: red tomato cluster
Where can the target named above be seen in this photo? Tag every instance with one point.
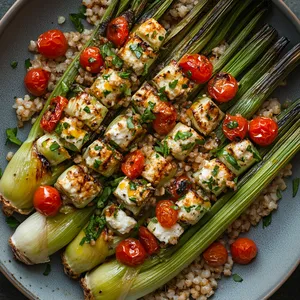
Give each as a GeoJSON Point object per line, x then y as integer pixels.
{"type": "Point", "coordinates": [133, 164]}
{"type": "Point", "coordinates": [118, 31]}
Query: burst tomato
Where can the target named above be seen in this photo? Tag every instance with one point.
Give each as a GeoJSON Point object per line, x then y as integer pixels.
{"type": "Point", "coordinates": [165, 118]}
{"type": "Point", "coordinates": [166, 213]}
{"type": "Point", "coordinates": [131, 252]}
{"type": "Point", "coordinates": [36, 81]}
{"type": "Point", "coordinates": [235, 128]}
{"type": "Point", "coordinates": [223, 87]}
{"type": "Point", "coordinates": [52, 44]}
{"type": "Point", "coordinates": [118, 31]}
{"type": "Point", "coordinates": [91, 59]}
{"type": "Point", "coordinates": [133, 164]}
{"type": "Point", "coordinates": [215, 255]}
{"type": "Point", "coordinates": [243, 251]}
{"type": "Point", "coordinates": [180, 186]}
{"type": "Point", "coordinates": [197, 67]}
{"type": "Point", "coordinates": [263, 131]}
{"type": "Point", "coordinates": [47, 200]}
{"type": "Point", "coordinates": [52, 116]}
{"type": "Point", "coordinates": [148, 240]}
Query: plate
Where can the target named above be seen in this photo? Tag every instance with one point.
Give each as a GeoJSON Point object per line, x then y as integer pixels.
{"type": "Point", "coordinates": [279, 244]}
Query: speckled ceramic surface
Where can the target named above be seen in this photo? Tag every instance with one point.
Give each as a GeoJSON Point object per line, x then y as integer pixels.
{"type": "Point", "coordinates": [279, 244]}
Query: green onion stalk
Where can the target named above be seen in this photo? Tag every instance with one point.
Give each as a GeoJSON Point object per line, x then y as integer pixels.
{"type": "Point", "coordinates": [102, 283]}
{"type": "Point", "coordinates": [38, 236]}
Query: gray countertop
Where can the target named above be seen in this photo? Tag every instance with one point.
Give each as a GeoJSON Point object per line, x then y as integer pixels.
{"type": "Point", "coordinates": [289, 291]}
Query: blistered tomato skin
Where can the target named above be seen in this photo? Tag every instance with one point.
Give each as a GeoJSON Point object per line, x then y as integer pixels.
{"type": "Point", "coordinates": [133, 164]}
{"type": "Point", "coordinates": [196, 67]}
{"type": "Point", "coordinates": [131, 252]}
{"type": "Point", "coordinates": [47, 200]}
{"type": "Point", "coordinates": [166, 213]}
{"type": "Point", "coordinates": [243, 251]}
{"type": "Point", "coordinates": [52, 116]}
{"type": "Point", "coordinates": [148, 240]}
{"type": "Point", "coordinates": [215, 255]}
{"type": "Point", "coordinates": [36, 81]}
{"type": "Point", "coordinates": [91, 60]}
{"type": "Point", "coordinates": [118, 31]}
{"type": "Point", "coordinates": [223, 87]}
{"type": "Point", "coordinates": [180, 186]}
{"type": "Point", "coordinates": [165, 118]}
{"type": "Point", "coordinates": [263, 131]}
{"type": "Point", "coordinates": [235, 128]}
{"type": "Point", "coordinates": [52, 44]}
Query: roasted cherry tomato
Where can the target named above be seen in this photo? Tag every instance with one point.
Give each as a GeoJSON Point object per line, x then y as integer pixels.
{"type": "Point", "coordinates": [52, 116]}
{"type": "Point", "coordinates": [263, 131]}
{"type": "Point", "coordinates": [133, 164]}
{"type": "Point", "coordinates": [215, 255]}
{"type": "Point", "coordinates": [165, 118]}
{"type": "Point", "coordinates": [223, 87]}
{"type": "Point", "coordinates": [148, 240]}
{"type": "Point", "coordinates": [47, 200]}
{"type": "Point", "coordinates": [91, 59]}
{"type": "Point", "coordinates": [166, 213]}
{"type": "Point", "coordinates": [52, 44]}
{"type": "Point", "coordinates": [243, 250]}
{"type": "Point", "coordinates": [36, 81]}
{"type": "Point", "coordinates": [235, 128]}
{"type": "Point", "coordinates": [180, 186]}
{"type": "Point", "coordinates": [197, 67]}
{"type": "Point", "coordinates": [118, 31]}
{"type": "Point", "coordinates": [131, 252]}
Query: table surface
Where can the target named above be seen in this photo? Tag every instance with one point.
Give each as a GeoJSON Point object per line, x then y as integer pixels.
{"type": "Point", "coordinates": [289, 291]}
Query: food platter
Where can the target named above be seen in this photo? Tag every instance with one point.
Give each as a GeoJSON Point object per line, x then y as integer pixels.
{"type": "Point", "coordinates": [279, 244]}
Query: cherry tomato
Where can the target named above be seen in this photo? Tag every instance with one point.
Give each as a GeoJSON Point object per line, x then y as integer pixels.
{"type": "Point", "coordinates": [91, 59]}
{"type": "Point", "coordinates": [197, 67]}
{"type": "Point", "coordinates": [180, 186]}
{"type": "Point", "coordinates": [165, 118]}
{"type": "Point", "coordinates": [47, 200]}
{"type": "Point", "coordinates": [131, 252]}
{"type": "Point", "coordinates": [52, 116]}
{"type": "Point", "coordinates": [36, 81]}
{"type": "Point", "coordinates": [243, 250]}
{"type": "Point", "coordinates": [118, 31]}
{"type": "Point", "coordinates": [52, 44]}
{"type": "Point", "coordinates": [133, 164]}
{"type": "Point", "coordinates": [235, 128]}
{"type": "Point", "coordinates": [148, 240]}
{"type": "Point", "coordinates": [263, 131]}
{"type": "Point", "coordinates": [215, 255]}
{"type": "Point", "coordinates": [223, 87]}
{"type": "Point", "coordinates": [166, 213]}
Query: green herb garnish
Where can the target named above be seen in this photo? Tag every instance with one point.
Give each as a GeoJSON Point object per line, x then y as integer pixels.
{"type": "Point", "coordinates": [27, 63]}
{"type": "Point", "coordinates": [173, 84]}
{"type": "Point", "coordinates": [215, 171]}
{"type": "Point", "coordinates": [267, 220]}
{"type": "Point", "coordinates": [231, 160]}
{"type": "Point", "coordinates": [130, 124]}
{"type": "Point", "coordinates": [12, 222]}
{"type": "Point", "coordinates": [76, 19]}
{"type": "Point", "coordinates": [54, 146]}
{"type": "Point", "coordinates": [237, 278]}
{"type": "Point", "coordinates": [91, 60]}
{"type": "Point", "coordinates": [133, 199]}
{"type": "Point", "coordinates": [87, 110]}
{"type": "Point", "coordinates": [106, 93]}
{"type": "Point", "coordinates": [102, 200]}
{"type": "Point", "coordinates": [182, 135]}
{"type": "Point", "coordinates": [296, 182]}
{"type": "Point", "coordinates": [137, 50]}
{"type": "Point", "coordinates": [47, 270]}
{"type": "Point", "coordinates": [97, 163]}
{"type": "Point", "coordinates": [187, 146]}
{"type": "Point", "coordinates": [11, 135]}
{"type": "Point", "coordinates": [161, 94]}
{"type": "Point", "coordinates": [124, 75]}
{"type": "Point", "coordinates": [162, 148]}
{"type": "Point", "coordinates": [232, 124]}
{"type": "Point", "coordinates": [93, 229]}
{"type": "Point", "coordinates": [14, 64]}
{"type": "Point", "coordinates": [132, 185]}
{"type": "Point", "coordinates": [148, 114]}
{"type": "Point", "coordinates": [161, 38]}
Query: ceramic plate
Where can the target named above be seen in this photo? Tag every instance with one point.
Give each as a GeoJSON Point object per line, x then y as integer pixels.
{"type": "Point", "coordinates": [279, 244]}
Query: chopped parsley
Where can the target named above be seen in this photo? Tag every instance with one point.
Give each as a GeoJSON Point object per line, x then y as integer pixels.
{"type": "Point", "coordinates": [215, 171]}
{"type": "Point", "coordinates": [106, 93]}
{"type": "Point", "coordinates": [76, 18]}
{"type": "Point", "coordinates": [148, 114]}
{"type": "Point", "coordinates": [133, 199]}
{"type": "Point", "coordinates": [161, 38]}
{"type": "Point", "coordinates": [154, 34]}
{"type": "Point", "coordinates": [210, 183]}
{"type": "Point", "coordinates": [87, 110]}
{"type": "Point", "coordinates": [130, 124]}
{"type": "Point", "coordinates": [14, 64]}
{"type": "Point", "coordinates": [173, 84]}
{"type": "Point", "coordinates": [106, 50]}
{"type": "Point", "coordinates": [237, 278]}
{"type": "Point", "coordinates": [97, 147]}
{"type": "Point", "coordinates": [91, 60]}
{"type": "Point", "coordinates": [124, 75]}
{"type": "Point", "coordinates": [93, 229]}
{"type": "Point", "coordinates": [188, 208]}
{"type": "Point", "coordinates": [137, 50]}
{"type": "Point", "coordinates": [255, 154]}
{"type": "Point", "coordinates": [208, 117]}
{"type": "Point", "coordinates": [267, 220]}
{"type": "Point", "coordinates": [125, 90]}
{"type": "Point", "coordinates": [12, 222]}
{"type": "Point", "coordinates": [54, 146]}
{"type": "Point", "coordinates": [182, 135]}
{"type": "Point", "coordinates": [232, 124]}
{"type": "Point", "coordinates": [154, 220]}
{"type": "Point", "coordinates": [102, 199]}
{"type": "Point", "coordinates": [175, 207]}
{"type": "Point", "coordinates": [189, 74]}
{"type": "Point", "coordinates": [132, 185]}
{"type": "Point", "coordinates": [59, 129]}
{"type": "Point", "coordinates": [66, 125]}
{"type": "Point", "coordinates": [27, 63]}
{"type": "Point", "coordinates": [231, 160]}
{"type": "Point", "coordinates": [162, 148]}
{"type": "Point", "coordinates": [161, 94]}
{"type": "Point", "coordinates": [296, 182]}
{"type": "Point", "coordinates": [145, 70]}
{"type": "Point", "coordinates": [187, 146]}
{"type": "Point", "coordinates": [200, 142]}
{"type": "Point", "coordinates": [278, 194]}
{"type": "Point", "coordinates": [11, 135]}
{"type": "Point", "coordinates": [47, 270]}
{"type": "Point", "coordinates": [97, 163]}
{"type": "Point", "coordinates": [184, 86]}
{"type": "Point", "coordinates": [106, 76]}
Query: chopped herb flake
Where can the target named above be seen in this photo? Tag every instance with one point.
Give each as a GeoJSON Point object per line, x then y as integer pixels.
{"type": "Point", "coordinates": [232, 124]}
{"type": "Point", "coordinates": [125, 90]}
{"type": "Point", "coordinates": [215, 171]}
{"type": "Point", "coordinates": [267, 220]}
{"type": "Point", "coordinates": [106, 93]}
{"type": "Point", "coordinates": [182, 135]}
{"type": "Point", "coordinates": [12, 222]}
{"type": "Point", "coordinates": [231, 160]}
{"type": "Point", "coordinates": [106, 50]}
{"type": "Point", "coordinates": [97, 163]}
{"type": "Point", "coordinates": [47, 270]}
{"type": "Point", "coordinates": [106, 76]}
{"type": "Point", "coordinates": [132, 185]}
{"type": "Point", "coordinates": [54, 146]}
{"type": "Point", "coordinates": [91, 60]}
{"type": "Point", "coordinates": [161, 38]}
{"type": "Point", "coordinates": [200, 142]}
{"type": "Point", "coordinates": [76, 20]}
{"type": "Point", "coordinates": [14, 64]}
{"type": "Point", "coordinates": [133, 199]}
{"type": "Point", "coordinates": [162, 148]}
{"type": "Point", "coordinates": [93, 229]}
{"type": "Point", "coordinates": [137, 50]}
{"type": "Point", "coordinates": [130, 124]}
{"type": "Point", "coordinates": [145, 70]}
{"type": "Point", "coordinates": [184, 86]}
{"type": "Point", "coordinates": [27, 63]}
{"type": "Point", "coordinates": [189, 74]}
{"type": "Point", "coordinates": [148, 114]}
{"type": "Point", "coordinates": [175, 207]}
{"type": "Point", "coordinates": [66, 125]}
{"type": "Point", "coordinates": [173, 84]}
{"type": "Point", "coordinates": [154, 220]}
{"type": "Point", "coordinates": [11, 134]}
{"type": "Point", "coordinates": [97, 147]}
{"type": "Point", "coordinates": [278, 194]}
{"type": "Point", "coordinates": [187, 146]}
{"type": "Point", "coordinates": [124, 75]}
{"type": "Point", "coordinates": [162, 95]}
{"type": "Point", "coordinates": [237, 278]}
{"type": "Point", "coordinates": [87, 110]}
{"type": "Point", "coordinates": [296, 182]}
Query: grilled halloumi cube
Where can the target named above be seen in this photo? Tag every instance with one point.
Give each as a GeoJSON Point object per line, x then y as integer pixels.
{"type": "Point", "coordinates": [158, 170]}
{"type": "Point", "coordinates": [182, 140]}
{"type": "Point", "coordinates": [152, 33]}
{"type": "Point", "coordinates": [110, 88]}
{"type": "Point", "coordinates": [133, 193]}
{"type": "Point", "coordinates": [165, 235]}
{"type": "Point", "coordinates": [71, 133]}
{"type": "Point", "coordinates": [172, 82]}
{"type": "Point", "coordinates": [191, 207]}
{"type": "Point", "coordinates": [239, 156]}
{"type": "Point", "coordinates": [51, 148]}
{"type": "Point", "coordinates": [205, 115]}
{"type": "Point", "coordinates": [137, 54]}
{"type": "Point", "coordinates": [87, 109]}
{"type": "Point", "coordinates": [102, 158]}
{"type": "Point", "coordinates": [123, 130]}
{"type": "Point", "coordinates": [214, 176]}
{"type": "Point", "coordinates": [78, 186]}
{"type": "Point", "coordinates": [145, 101]}
{"type": "Point", "coordinates": [117, 219]}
